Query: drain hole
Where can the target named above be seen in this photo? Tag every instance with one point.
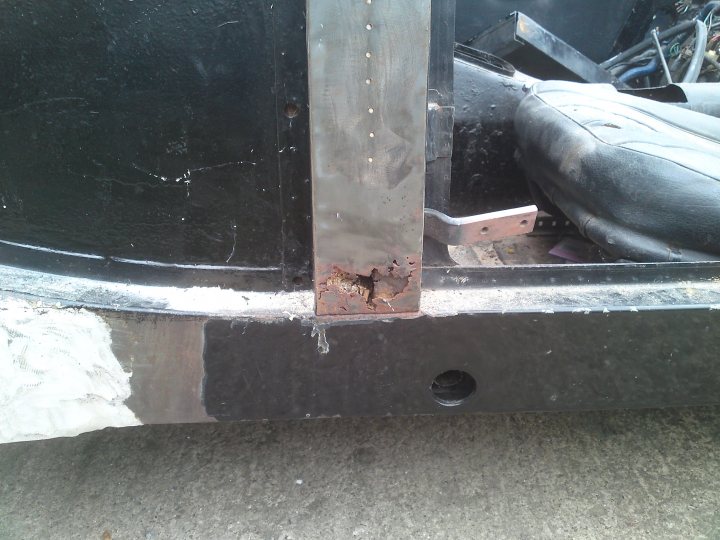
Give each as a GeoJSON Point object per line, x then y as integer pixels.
{"type": "Point", "coordinates": [453, 387]}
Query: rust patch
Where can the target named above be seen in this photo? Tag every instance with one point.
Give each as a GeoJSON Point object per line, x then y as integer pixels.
{"type": "Point", "coordinates": [351, 284]}
{"type": "Point", "coordinates": [390, 289]}
{"type": "Point", "coordinates": [387, 286]}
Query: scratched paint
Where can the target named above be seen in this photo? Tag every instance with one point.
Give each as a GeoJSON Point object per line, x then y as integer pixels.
{"type": "Point", "coordinates": [58, 374]}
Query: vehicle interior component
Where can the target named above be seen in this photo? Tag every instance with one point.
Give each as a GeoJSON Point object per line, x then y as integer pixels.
{"type": "Point", "coordinates": [638, 177]}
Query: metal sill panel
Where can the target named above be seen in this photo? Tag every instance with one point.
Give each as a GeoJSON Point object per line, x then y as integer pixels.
{"type": "Point", "coordinates": [545, 338]}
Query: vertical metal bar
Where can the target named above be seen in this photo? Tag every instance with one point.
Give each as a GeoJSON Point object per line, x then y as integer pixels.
{"type": "Point", "coordinates": [293, 141]}
{"type": "Point", "coordinates": [440, 106]}
{"type": "Point", "coordinates": [368, 69]}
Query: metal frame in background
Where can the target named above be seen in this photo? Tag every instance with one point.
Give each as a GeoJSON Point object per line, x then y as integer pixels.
{"type": "Point", "coordinates": [534, 50]}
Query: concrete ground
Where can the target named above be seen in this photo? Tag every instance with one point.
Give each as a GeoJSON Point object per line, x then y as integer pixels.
{"type": "Point", "coordinates": [637, 474]}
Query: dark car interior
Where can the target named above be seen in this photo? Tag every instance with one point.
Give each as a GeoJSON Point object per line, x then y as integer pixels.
{"type": "Point", "coordinates": [620, 154]}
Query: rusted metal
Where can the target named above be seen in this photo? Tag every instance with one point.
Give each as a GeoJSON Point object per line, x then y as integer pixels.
{"type": "Point", "coordinates": [480, 228]}
{"type": "Point", "coordinates": [390, 289]}
{"type": "Point", "coordinates": [368, 69]}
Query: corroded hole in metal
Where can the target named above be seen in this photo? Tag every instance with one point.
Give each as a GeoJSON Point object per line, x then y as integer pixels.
{"type": "Point", "coordinates": [376, 288]}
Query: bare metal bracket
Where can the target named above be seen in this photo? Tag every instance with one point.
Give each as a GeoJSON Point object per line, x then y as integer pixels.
{"type": "Point", "coordinates": [480, 228]}
{"type": "Point", "coordinates": [368, 72]}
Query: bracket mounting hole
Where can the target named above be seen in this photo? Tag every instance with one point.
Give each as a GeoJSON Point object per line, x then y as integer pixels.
{"type": "Point", "coordinates": [291, 110]}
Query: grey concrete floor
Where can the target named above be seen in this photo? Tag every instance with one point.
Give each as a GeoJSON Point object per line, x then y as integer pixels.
{"type": "Point", "coordinates": [629, 474]}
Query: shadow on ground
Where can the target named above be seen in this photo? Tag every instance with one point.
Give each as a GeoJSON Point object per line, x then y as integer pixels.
{"type": "Point", "coordinates": [644, 474]}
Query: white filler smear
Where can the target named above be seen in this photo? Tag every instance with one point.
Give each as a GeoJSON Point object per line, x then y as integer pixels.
{"type": "Point", "coordinates": [58, 374]}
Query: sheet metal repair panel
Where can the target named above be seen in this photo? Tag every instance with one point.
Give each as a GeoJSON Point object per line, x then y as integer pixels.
{"type": "Point", "coordinates": [368, 64]}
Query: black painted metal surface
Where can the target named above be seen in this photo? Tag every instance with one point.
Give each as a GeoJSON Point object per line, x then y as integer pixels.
{"type": "Point", "coordinates": [521, 361]}
{"type": "Point", "coordinates": [177, 134]}
{"type": "Point", "coordinates": [147, 131]}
